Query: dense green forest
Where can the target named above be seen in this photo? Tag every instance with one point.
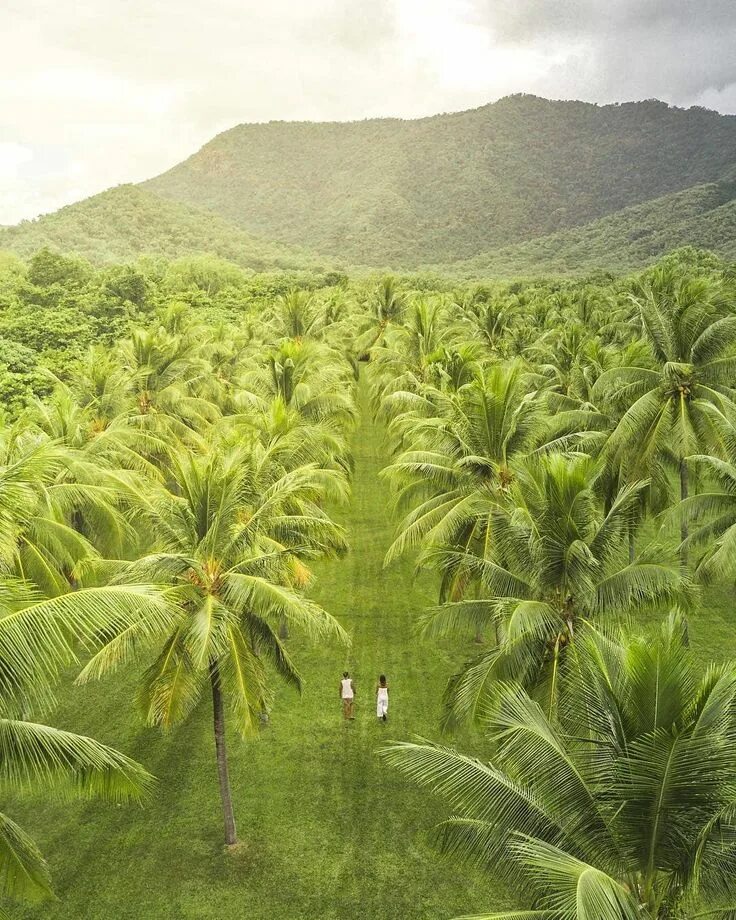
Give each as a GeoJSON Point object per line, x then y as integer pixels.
{"type": "Point", "coordinates": [220, 490]}
{"type": "Point", "coordinates": [126, 222]}
{"type": "Point", "coordinates": [704, 216]}
{"type": "Point", "coordinates": [54, 307]}
{"type": "Point", "coordinates": [387, 192]}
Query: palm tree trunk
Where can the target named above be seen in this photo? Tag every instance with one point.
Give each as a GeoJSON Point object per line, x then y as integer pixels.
{"type": "Point", "coordinates": [684, 484]}
{"type": "Point", "coordinates": [283, 628]}
{"type": "Point", "coordinates": [218, 710]}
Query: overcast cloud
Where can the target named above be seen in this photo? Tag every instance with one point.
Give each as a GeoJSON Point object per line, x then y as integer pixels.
{"type": "Point", "coordinates": [98, 92]}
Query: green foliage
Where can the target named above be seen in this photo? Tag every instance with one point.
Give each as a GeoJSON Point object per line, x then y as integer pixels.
{"type": "Point", "coordinates": [47, 268]}
{"type": "Point", "coordinates": [622, 807]}
{"type": "Point", "coordinates": [21, 377]}
{"type": "Point", "coordinates": [164, 506]}
{"type": "Point", "coordinates": [318, 811]}
{"type": "Point", "coordinates": [702, 216]}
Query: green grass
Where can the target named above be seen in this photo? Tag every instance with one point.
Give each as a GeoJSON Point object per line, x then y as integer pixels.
{"type": "Point", "coordinates": [328, 832]}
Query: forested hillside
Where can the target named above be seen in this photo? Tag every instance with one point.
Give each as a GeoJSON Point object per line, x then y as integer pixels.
{"type": "Point", "coordinates": [440, 189]}
{"type": "Point", "coordinates": [129, 221]}
{"type": "Point", "coordinates": [522, 187]}
{"type": "Point", "coordinates": [702, 216]}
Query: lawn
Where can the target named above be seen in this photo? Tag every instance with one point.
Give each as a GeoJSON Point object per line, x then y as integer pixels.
{"type": "Point", "coordinates": [327, 832]}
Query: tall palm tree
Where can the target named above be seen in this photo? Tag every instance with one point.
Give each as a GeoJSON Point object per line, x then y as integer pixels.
{"type": "Point", "coordinates": [39, 639]}
{"type": "Point", "coordinates": [307, 376]}
{"type": "Point", "coordinates": [296, 316]}
{"type": "Point", "coordinates": [621, 808]}
{"type": "Point", "coordinates": [404, 356]}
{"type": "Point", "coordinates": [680, 405]}
{"type": "Point", "coordinates": [231, 535]}
{"type": "Point", "coordinates": [42, 485]}
{"type": "Point", "coordinates": [171, 378]}
{"type": "Point", "coordinates": [464, 457]}
{"type": "Point", "coordinates": [711, 516]}
{"type": "Point", "coordinates": [385, 309]}
{"type": "Point", "coordinates": [100, 383]}
{"type": "Point", "coordinates": [557, 565]}
{"type": "Point", "coordinates": [484, 317]}
{"type": "Point", "coordinates": [287, 438]}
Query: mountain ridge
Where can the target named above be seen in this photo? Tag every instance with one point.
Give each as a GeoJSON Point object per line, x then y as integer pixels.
{"type": "Point", "coordinates": [521, 185]}
{"type": "Point", "coordinates": [447, 187]}
{"type": "Point", "coordinates": [624, 241]}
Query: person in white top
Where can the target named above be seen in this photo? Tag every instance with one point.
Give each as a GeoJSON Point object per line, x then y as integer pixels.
{"type": "Point", "coordinates": [382, 698]}
{"type": "Point", "coordinates": [347, 695]}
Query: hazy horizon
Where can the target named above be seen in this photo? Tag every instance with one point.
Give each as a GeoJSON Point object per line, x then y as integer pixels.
{"type": "Point", "coordinates": [95, 95]}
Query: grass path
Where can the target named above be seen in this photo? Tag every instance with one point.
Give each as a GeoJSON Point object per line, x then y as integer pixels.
{"type": "Point", "coordinates": [328, 833]}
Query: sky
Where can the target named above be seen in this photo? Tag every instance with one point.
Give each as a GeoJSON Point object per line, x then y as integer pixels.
{"type": "Point", "coordinates": [94, 93]}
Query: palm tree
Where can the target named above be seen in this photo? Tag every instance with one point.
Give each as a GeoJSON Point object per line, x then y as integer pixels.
{"type": "Point", "coordinates": [404, 356]}
{"type": "Point", "coordinates": [712, 514]}
{"type": "Point", "coordinates": [465, 456]}
{"type": "Point", "coordinates": [231, 535]}
{"type": "Point", "coordinates": [39, 639]}
{"type": "Point", "coordinates": [385, 308]}
{"type": "Point", "coordinates": [622, 808]}
{"type": "Point", "coordinates": [557, 565]}
{"type": "Point", "coordinates": [171, 377]}
{"type": "Point", "coordinates": [42, 486]}
{"type": "Point", "coordinates": [680, 405]}
{"type": "Point", "coordinates": [296, 316]}
{"type": "Point", "coordinates": [307, 376]}
{"type": "Point", "coordinates": [484, 317]}
{"type": "Point", "coordinates": [102, 438]}
{"type": "Point", "coordinates": [100, 383]}
{"type": "Point", "coordinates": [283, 437]}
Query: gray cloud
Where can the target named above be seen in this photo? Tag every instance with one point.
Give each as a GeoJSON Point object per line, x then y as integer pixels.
{"type": "Point", "coordinates": [525, 19]}
{"type": "Point", "coordinates": [679, 50]}
{"type": "Point", "coordinates": [97, 92]}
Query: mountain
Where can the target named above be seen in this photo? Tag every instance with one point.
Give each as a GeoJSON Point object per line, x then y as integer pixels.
{"type": "Point", "coordinates": [522, 186]}
{"type": "Point", "coordinates": [400, 193]}
{"type": "Point", "coordinates": [128, 221]}
{"type": "Point", "coordinates": [702, 216]}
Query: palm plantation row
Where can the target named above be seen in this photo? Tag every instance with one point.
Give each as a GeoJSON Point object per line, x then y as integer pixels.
{"type": "Point", "coordinates": [550, 488]}
{"type": "Point", "coordinates": [160, 512]}
{"type": "Point", "coordinates": [564, 467]}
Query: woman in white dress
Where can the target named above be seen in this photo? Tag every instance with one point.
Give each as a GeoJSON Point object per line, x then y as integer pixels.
{"type": "Point", "coordinates": [347, 695]}
{"type": "Point", "coordinates": [382, 698]}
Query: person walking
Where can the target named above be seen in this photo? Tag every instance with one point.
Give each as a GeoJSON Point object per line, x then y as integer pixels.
{"type": "Point", "coordinates": [347, 695]}
{"type": "Point", "coordinates": [382, 698]}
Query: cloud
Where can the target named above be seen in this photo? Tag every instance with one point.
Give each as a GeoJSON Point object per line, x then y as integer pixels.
{"type": "Point", "coordinates": [673, 49]}
{"type": "Point", "coordinates": [12, 157]}
{"type": "Point", "coordinates": [98, 92]}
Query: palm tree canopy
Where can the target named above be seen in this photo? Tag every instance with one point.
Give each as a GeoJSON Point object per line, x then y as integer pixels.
{"type": "Point", "coordinates": [557, 566]}
{"type": "Point", "coordinates": [681, 403]}
{"type": "Point", "coordinates": [622, 806]}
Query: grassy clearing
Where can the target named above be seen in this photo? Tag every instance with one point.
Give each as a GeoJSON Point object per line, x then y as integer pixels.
{"type": "Point", "coordinates": [327, 832]}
